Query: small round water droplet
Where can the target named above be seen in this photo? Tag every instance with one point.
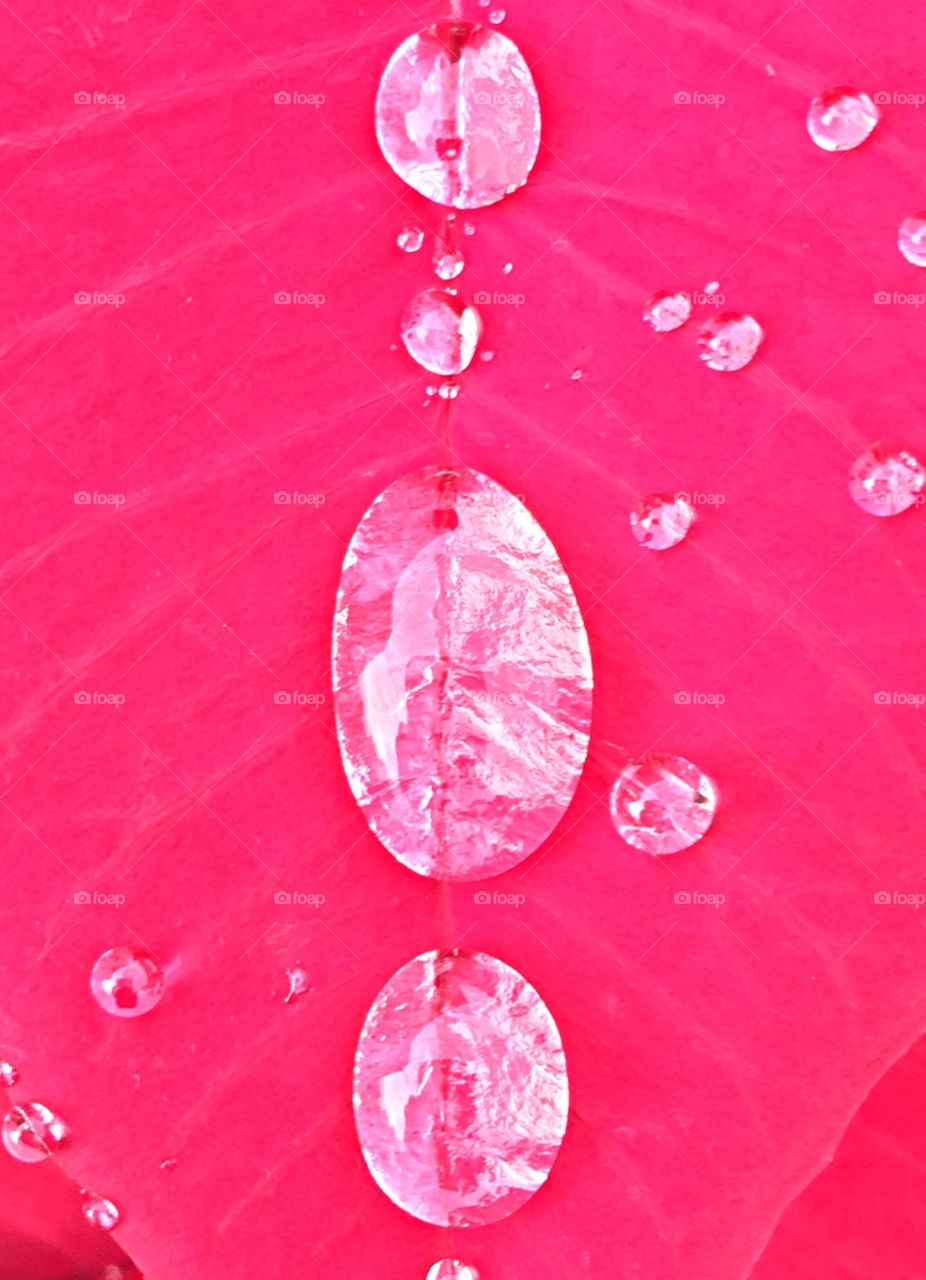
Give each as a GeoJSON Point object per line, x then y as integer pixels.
{"type": "Point", "coordinates": [885, 481]}
{"type": "Point", "coordinates": [841, 118]}
{"type": "Point", "coordinates": [911, 239]}
{"type": "Point", "coordinates": [298, 984]}
{"type": "Point", "coordinates": [577, 375]}
{"type": "Point", "coordinates": [100, 1212]}
{"type": "Point", "coordinates": [507, 268]}
{"type": "Point", "coordinates": [496, 16]}
{"type": "Point", "coordinates": [32, 1132]}
{"type": "Point", "coordinates": [8, 1075]}
{"type": "Point", "coordinates": [449, 390]}
{"type": "Point", "coordinates": [447, 262]}
{"type": "Point", "coordinates": [452, 1269]}
{"type": "Point", "coordinates": [661, 521]}
{"type": "Point", "coordinates": [662, 804]}
{"type": "Point", "coordinates": [469, 228]}
{"type": "Point", "coordinates": [711, 287]}
{"type": "Point", "coordinates": [457, 114]}
{"type": "Point", "coordinates": [487, 356]}
{"type": "Point", "coordinates": [440, 331]}
{"type": "Point", "coordinates": [667, 311]}
{"type": "Point", "coordinates": [729, 341]}
{"type": "Point", "coordinates": [410, 239]}
{"type": "Point", "coordinates": [127, 982]}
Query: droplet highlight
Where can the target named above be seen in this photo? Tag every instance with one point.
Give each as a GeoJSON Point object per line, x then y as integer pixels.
{"type": "Point", "coordinates": [661, 521]}
{"type": "Point", "coordinates": [885, 482]}
{"type": "Point", "coordinates": [460, 1089]}
{"type": "Point", "coordinates": [730, 341]}
{"type": "Point", "coordinates": [457, 114]}
{"type": "Point", "coordinates": [100, 1212]}
{"type": "Point", "coordinates": [667, 311]}
{"type": "Point", "coordinates": [9, 1075]}
{"type": "Point", "coordinates": [32, 1132]}
{"type": "Point", "coordinates": [911, 239]}
{"type": "Point", "coordinates": [662, 804]}
{"type": "Point", "coordinates": [440, 331]}
{"type": "Point", "coordinates": [841, 118]}
{"type": "Point", "coordinates": [127, 982]}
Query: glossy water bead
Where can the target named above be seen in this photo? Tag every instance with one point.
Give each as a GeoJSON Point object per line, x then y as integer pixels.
{"type": "Point", "coordinates": [841, 118]}
{"type": "Point", "coordinates": [32, 1132]}
{"type": "Point", "coordinates": [661, 521]}
{"type": "Point", "coordinates": [99, 1212]}
{"type": "Point", "coordinates": [911, 239]}
{"type": "Point", "coordinates": [452, 1269]}
{"type": "Point", "coordinates": [885, 482]}
{"type": "Point", "coordinates": [667, 311]}
{"type": "Point", "coordinates": [662, 804]}
{"type": "Point", "coordinates": [127, 982]}
{"type": "Point", "coordinates": [8, 1075]}
{"type": "Point", "coordinates": [729, 341]}
{"type": "Point", "coordinates": [410, 239]}
{"type": "Point", "coordinates": [440, 331]}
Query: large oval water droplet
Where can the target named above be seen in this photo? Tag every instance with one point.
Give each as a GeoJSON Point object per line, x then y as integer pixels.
{"type": "Point", "coordinates": [462, 675]}
{"type": "Point", "coordinates": [457, 114]}
{"type": "Point", "coordinates": [32, 1132]}
{"type": "Point", "coordinates": [460, 1089]}
{"type": "Point", "coordinates": [440, 331]}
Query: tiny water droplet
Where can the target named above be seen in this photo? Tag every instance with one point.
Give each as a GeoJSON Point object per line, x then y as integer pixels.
{"type": "Point", "coordinates": [449, 148]}
{"type": "Point", "coordinates": [449, 390]}
{"type": "Point", "coordinates": [469, 228]}
{"type": "Point", "coordinates": [497, 16]}
{"type": "Point", "coordinates": [841, 119]}
{"type": "Point", "coordinates": [711, 287]}
{"type": "Point", "coordinates": [32, 1132]}
{"type": "Point", "coordinates": [298, 984]}
{"type": "Point", "coordinates": [452, 1269]}
{"type": "Point", "coordinates": [577, 375]}
{"type": "Point", "coordinates": [667, 311]}
{"type": "Point", "coordinates": [440, 332]}
{"type": "Point", "coordinates": [487, 356]}
{"type": "Point", "coordinates": [507, 268]}
{"type": "Point", "coordinates": [661, 521]}
{"type": "Point", "coordinates": [8, 1075]}
{"type": "Point", "coordinates": [662, 804]}
{"type": "Point", "coordinates": [729, 341]}
{"type": "Point", "coordinates": [885, 482]}
{"type": "Point", "coordinates": [127, 982]}
{"type": "Point", "coordinates": [167, 1165]}
{"type": "Point", "coordinates": [911, 239]}
{"type": "Point", "coordinates": [410, 239]}
{"type": "Point", "coordinates": [447, 262]}
{"type": "Point", "coordinates": [484, 4]}
{"type": "Point", "coordinates": [769, 69]}
{"type": "Point", "coordinates": [100, 1212]}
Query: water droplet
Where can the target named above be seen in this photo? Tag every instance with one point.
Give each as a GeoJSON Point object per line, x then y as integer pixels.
{"type": "Point", "coordinates": [460, 1089]}
{"type": "Point", "coordinates": [449, 390]}
{"type": "Point", "coordinates": [662, 804]}
{"type": "Point", "coordinates": [410, 239]}
{"type": "Point", "coordinates": [667, 311]}
{"type": "Point", "coordinates": [8, 1075]}
{"type": "Point", "coordinates": [661, 521]}
{"type": "Point", "coordinates": [452, 1269]}
{"type": "Point", "coordinates": [457, 114]}
{"type": "Point", "coordinates": [32, 1132]}
{"type": "Point", "coordinates": [496, 16]}
{"type": "Point", "coordinates": [127, 982]}
{"type": "Point", "coordinates": [440, 331]}
{"type": "Point", "coordinates": [507, 268]}
{"type": "Point", "coordinates": [469, 228]}
{"type": "Point", "coordinates": [769, 69]}
{"type": "Point", "coordinates": [911, 239]}
{"type": "Point", "coordinates": [487, 356]}
{"type": "Point", "coordinates": [100, 1212]}
{"type": "Point", "coordinates": [298, 984]}
{"type": "Point", "coordinates": [166, 1166]}
{"type": "Point", "coordinates": [447, 261]}
{"type": "Point", "coordinates": [462, 737]}
{"type": "Point", "coordinates": [841, 118]}
{"type": "Point", "coordinates": [729, 341]}
{"type": "Point", "coordinates": [711, 287]}
{"type": "Point", "coordinates": [577, 375]}
{"type": "Point", "coordinates": [885, 481]}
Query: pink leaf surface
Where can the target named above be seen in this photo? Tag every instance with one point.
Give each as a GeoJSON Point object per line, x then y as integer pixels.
{"type": "Point", "coordinates": [170, 743]}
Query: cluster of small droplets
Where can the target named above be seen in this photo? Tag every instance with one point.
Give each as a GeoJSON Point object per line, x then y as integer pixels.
{"type": "Point", "coordinates": [727, 341]}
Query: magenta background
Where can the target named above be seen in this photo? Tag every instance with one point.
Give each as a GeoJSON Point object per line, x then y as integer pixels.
{"type": "Point", "coordinates": [717, 1055]}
